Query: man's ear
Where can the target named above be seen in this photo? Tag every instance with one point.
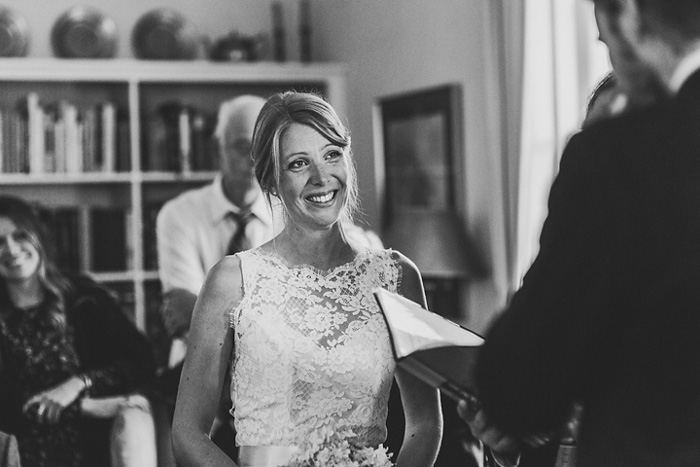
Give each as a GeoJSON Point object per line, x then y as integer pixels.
{"type": "Point", "coordinates": [632, 23]}
{"type": "Point", "coordinates": [622, 17]}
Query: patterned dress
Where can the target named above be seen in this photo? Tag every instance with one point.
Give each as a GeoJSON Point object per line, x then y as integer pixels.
{"type": "Point", "coordinates": [311, 349]}
{"type": "Point", "coordinates": [36, 354]}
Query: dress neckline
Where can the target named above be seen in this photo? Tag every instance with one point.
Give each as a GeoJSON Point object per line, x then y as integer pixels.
{"type": "Point", "coordinates": [274, 256]}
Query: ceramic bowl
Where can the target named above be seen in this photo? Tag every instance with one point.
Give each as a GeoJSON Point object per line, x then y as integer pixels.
{"type": "Point", "coordinates": [14, 34]}
{"type": "Point", "coordinates": [84, 32]}
{"type": "Point", "coordinates": [164, 34]}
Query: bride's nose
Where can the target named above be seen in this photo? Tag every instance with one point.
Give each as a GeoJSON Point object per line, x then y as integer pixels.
{"type": "Point", "coordinates": [319, 174]}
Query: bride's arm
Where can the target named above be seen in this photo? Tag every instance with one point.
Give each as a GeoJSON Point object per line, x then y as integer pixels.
{"type": "Point", "coordinates": [203, 374]}
{"type": "Point", "coordinates": [421, 402]}
{"type": "Point", "coordinates": [423, 432]}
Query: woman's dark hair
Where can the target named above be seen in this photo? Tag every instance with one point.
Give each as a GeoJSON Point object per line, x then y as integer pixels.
{"type": "Point", "coordinates": [279, 112]}
{"type": "Point", "coordinates": [607, 82]}
{"type": "Point", "coordinates": [56, 285]}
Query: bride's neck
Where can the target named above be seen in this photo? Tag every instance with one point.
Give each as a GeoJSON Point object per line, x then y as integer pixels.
{"type": "Point", "coordinates": [321, 249]}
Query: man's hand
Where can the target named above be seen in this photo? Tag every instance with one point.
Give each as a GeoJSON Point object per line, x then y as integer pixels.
{"type": "Point", "coordinates": [177, 311]}
{"type": "Point", "coordinates": [505, 449]}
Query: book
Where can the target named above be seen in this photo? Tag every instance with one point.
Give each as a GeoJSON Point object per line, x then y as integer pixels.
{"type": "Point", "coordinates": [436, 350]}
{"type": "Point", "coordinates": [123, 142]}
{"type": "Point", "coordinates": [62, 225]}
{"type": "Point", "coordinates": [108, 140]}
{"type": "Point", "coordinates": [150, 242]}
{"type": "Point", "coordinates": [111, 239]}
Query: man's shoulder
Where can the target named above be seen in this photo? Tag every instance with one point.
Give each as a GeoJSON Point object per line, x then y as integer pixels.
{"type": "Point", "coordinates": [630, 135]}
{"type": "Point", "coordinates": [191, 196]}
{"type": "Point", "coordinates": [188, 203]}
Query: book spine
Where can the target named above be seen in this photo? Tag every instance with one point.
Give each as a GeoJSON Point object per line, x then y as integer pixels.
{"type": "Point", "coordinates": [185, 139]}
{"type": "Point", "coordinates": [89, 137]}
{"type": "Point", "coordinates": [63, 227]}
{"type": "Point", "coordinates": [123, 145]}
{"type": "Point", "coordinates": [22, 143]}
{"type": "Point", "coordinates": [36, 134]}
{"type": "Point", "coordinates": [109, 143]}
{"type": "Point", "coordinates": [109, 239]}
{"type": "Point", "coordinates": [70, 117]}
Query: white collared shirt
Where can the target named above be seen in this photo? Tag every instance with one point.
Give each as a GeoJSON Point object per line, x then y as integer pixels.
{"type": "Point", "coordinates": [193, 231]}
{"type": "Point", "coordinates": [688, 65]}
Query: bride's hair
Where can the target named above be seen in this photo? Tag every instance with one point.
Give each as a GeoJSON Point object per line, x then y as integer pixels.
{"type": "Point", "coordinates": [55, 284]}
{"type": "Point", "coordinates": [279, 112]}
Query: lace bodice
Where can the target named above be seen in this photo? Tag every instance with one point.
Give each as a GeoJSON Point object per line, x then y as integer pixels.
{"type": "Point", "coordinates": [311, 349]}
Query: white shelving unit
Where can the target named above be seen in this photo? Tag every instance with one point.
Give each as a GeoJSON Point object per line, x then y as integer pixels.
{"type": "Point", "coordinates": [140, 86]}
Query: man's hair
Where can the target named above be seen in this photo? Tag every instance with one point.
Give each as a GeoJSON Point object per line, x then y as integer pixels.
{"type": "Point", "coordinates": [230, 108]}
{"type": "Point", "coordinates": [680, 18]}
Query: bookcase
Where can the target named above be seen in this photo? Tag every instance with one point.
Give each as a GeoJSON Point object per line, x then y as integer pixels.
{"type": "Point", "coordinates": [102, 144]}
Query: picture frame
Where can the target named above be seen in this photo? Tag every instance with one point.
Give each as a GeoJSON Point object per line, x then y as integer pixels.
{"type": "Point", "coordinates": [418, 150]}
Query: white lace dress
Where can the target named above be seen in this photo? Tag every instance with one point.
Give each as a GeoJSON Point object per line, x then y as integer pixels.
{"type": "Point", "coordinates": [311, 349]}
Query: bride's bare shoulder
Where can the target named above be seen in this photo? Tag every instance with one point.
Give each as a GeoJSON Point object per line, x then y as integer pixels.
{"type": "Point", "coordinates": [224, 280]}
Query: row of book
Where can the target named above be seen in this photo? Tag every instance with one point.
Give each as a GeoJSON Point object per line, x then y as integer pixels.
{"type": "Point", "coordinates": [110, 230]}
{"type": "Point", "coordinates": [58, 137]}
{"type": "Point", "coordinates": [180, 138]}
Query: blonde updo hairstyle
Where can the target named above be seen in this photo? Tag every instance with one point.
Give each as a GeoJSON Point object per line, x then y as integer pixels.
{"type": "Point", "coordinates": [279, 112]}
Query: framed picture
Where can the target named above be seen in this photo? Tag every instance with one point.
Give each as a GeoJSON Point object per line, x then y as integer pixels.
{"type": "Point", "coordinates": [418, 147]}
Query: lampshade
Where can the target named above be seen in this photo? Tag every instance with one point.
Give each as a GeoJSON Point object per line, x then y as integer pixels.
{"type": "Point", "coordinates": [436, 241]}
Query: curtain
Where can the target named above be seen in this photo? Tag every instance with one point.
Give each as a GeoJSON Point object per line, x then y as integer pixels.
{"type": "Point", "coordinates": [541, 60]}
{"type": "Point", "coordinates": [562, 60]}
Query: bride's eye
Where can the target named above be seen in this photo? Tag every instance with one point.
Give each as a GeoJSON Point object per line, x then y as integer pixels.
{"type": "Point", "coordinates": [296, 164]}
{"type": "Point", "coordinates": [334, 155]}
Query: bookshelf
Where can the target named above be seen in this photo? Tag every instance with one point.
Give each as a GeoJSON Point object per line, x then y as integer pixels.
{"type": "Point", "coordinates": [102, 144]}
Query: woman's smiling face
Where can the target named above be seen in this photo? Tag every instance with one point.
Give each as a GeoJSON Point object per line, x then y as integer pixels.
{"type": "Point", "coordinates": [313, 177]}
{"type": "Point", "coordinates": [19, 258]}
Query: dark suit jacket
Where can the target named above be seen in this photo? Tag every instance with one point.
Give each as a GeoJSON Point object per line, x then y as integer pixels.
{"type": "Point", "coordinates": [609, 312]}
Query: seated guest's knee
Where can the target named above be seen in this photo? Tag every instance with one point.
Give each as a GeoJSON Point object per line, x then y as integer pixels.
{"type": "Point", "coordinates": [133, 436]}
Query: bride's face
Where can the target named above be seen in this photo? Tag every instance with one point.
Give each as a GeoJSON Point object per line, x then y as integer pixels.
{"type": "Point", "coordinates": [19, 257]}
{"type": "Point", "coordinates": [313, 177]}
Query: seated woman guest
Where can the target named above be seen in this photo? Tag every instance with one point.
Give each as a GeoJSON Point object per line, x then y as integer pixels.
{"type": "Point", "coordinates": [70, 361]}
{"type": "Point", "coordinates": [309, 350]}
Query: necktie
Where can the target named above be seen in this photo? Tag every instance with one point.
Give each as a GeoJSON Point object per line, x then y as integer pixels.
{"type": "Point", "coordinates": [239, 241]}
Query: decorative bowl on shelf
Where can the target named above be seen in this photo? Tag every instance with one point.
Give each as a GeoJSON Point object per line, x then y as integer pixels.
{"type": "Point", "coordinates": [14, 34]}
{"type": "Point", "coordinates": [84, 32]}
{"type": "Point", "coordinates": [164, 34]}
{"type": "Point", "coordinates": [235, 47]}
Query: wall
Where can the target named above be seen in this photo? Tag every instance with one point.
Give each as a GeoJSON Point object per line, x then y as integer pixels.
{"type": "Point", "coordinates": [392, 46]}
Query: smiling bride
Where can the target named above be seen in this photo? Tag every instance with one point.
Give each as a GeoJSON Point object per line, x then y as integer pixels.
{"type": "Point", "coordinates": [295, 319]}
